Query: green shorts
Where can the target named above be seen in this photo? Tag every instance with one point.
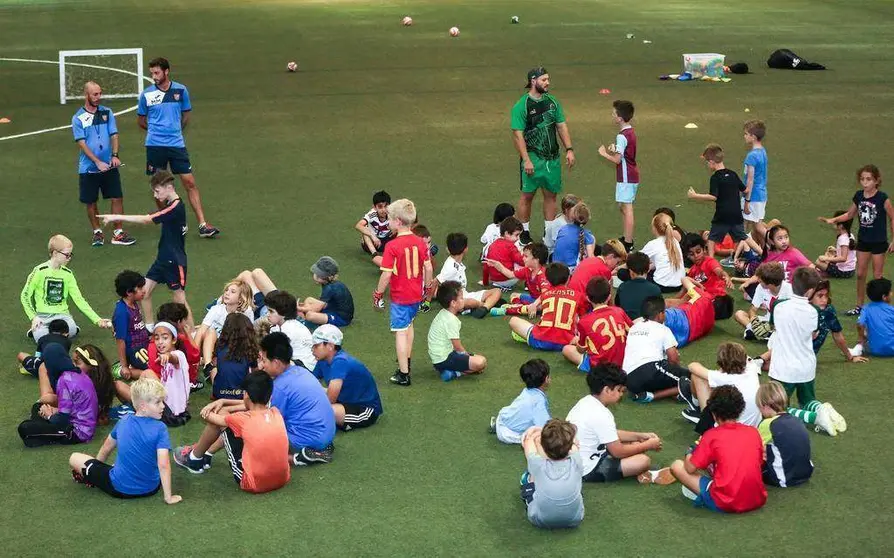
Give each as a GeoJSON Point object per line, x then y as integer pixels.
{"type": "Point", "coordinates": [806, 391]}
{"type": "Point", "coordinates": [547, 175]}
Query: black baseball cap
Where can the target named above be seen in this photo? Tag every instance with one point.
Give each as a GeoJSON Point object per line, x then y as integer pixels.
{"type": "Point", "coordinates": [535, 73]}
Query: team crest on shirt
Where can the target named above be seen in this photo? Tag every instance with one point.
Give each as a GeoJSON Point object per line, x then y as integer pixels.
{"type": "Point", "coordinates": [105, 117]}
{"type": "Point", "coordinates": [176, 96]}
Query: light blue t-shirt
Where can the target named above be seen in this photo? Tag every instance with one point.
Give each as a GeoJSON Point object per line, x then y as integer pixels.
{"type": "Point", "coordinates": [136, 468]}
{"type": "Point", "coordinates": [96, 129]}
{"type": "Point", "coordinates": [557, 502]}
{"type": "Point", "coordinates": [530, 408]}
{"type": "Point", "coordinates": [757, 158]}
{"type": "Point", "coordinates": [163, 110]}
{"type": "Point", "coordinates": [567, 250]}
{"type": "Point", "coordinates": [302, 402]}
{"type": "Point", "coordinates": [878, 319]}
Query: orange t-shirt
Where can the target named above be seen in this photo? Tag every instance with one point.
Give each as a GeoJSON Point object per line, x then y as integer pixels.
{"type": "Point", "coordinates": [265, 452]}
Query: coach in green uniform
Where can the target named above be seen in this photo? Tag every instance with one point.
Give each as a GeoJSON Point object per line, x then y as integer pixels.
{"type": "Point", "coordinates": [538, 124]}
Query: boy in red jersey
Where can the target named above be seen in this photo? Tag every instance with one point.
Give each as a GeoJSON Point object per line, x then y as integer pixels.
{"type": "Point", "coordinates": [693, 316]}
{"type": "Point", "coordinates": [604, 265]}
{"type": "Point", "coordinates": [505, 251]}
{"type": "Point", "coordinates": [406, 268]}
{"type": "Point", "coordinates": [627, 173]}
{"type": "Point", "coordinates": [602, 334]}
{"type": "Point", "coordinates": [561, 306]}
{"type": "Point", "coordinates": [535, 256]}
{"type": "Point", "coordinates": [734, 455]}
{"type": "Point", "coordinates": [705, 269]}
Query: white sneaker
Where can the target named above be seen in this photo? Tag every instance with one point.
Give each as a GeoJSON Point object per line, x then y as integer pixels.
{"type": "Point", "coordinates": [690, 495]}
{"type": "Point", "coordinates": [824, 422]}
{"type": "Point", "coordinates": [837, 419]}
{"type": "Point", "coordinates": [856, 351]}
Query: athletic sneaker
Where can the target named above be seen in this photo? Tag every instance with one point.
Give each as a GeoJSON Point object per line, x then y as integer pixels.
{"type": "Point", "coordinates": [525, 478]}
{"type": "Point", "coordinates": [690, 495]}
{"type": "Point", "coordinates": [519, 338]}
{"type": "Point", "coordinates": [206, 230]}
{"type": "Point", "coordinates": [644, 397]}
{"type": "Point", "coordinates": [661, 477]}
{"type": "Point", "coordinates": [480, 312]}
{"type": "Point", "coordinates": [691, 415]}
{"type": "Point", "coordinates": [183, 457]}
{"type": "Point", "coordinates": [525, 238]}
{"type": "Point", "coordinates": [498, 311]}
{"type": "Point", "coordinates": [205, 374]}
{"type": "Point", "coordinates": [121, 411]}
{"type": "Point", "coordinates": [824, 422]}
{"type": "Point", "coordinates": [837, 420]}
{"type": "Point", "coordinates": [493, 425]}
{"type": "Point", "coordinates": [425, 307]}
{"type": "Point", "coordinates": [728, 262]}
{"type": "Point", "coordinates": [855, 311]}
{"type": "Point", "coordinates": [98, 238]}
{"type": "Point", "coordinates": [749, 335]}
{"type": "Point", "coordinates": [121, 238]}
{"type": "Point", "coordinates": [400, 378]}
{"type": "Point", "coordinates": [450, 375]}
{"type": "Point", "coordinates": [310, 456]}
{"type": "Point", "coordinates": [198, 385]}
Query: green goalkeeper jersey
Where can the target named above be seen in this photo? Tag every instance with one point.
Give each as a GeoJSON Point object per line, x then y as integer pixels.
{"type": "Point", "coordinates": [47, 291]}
{"type": "Point", "coordinates": [537, 120]}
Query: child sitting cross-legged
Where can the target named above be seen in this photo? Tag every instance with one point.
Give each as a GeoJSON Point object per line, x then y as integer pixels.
{"type": "Point", "coordinates": [651, 358]}
{"type": "Point", "coordinates": [505, 251]}
{"type": "Point", "coordinates": [731, 457]}
{"type": "Point", "coordinates": [58, 333]}
{"type": "Point", "coordinates": [445, 349]}
{"type": "Point", "coordinates": [601, 333]}
{"type": "Point", "coordinates": [235, 356]}
{"type": "Point", "coordinates": [144, 464]}
{"type": "Point", "coordinates": [336, 304]}
{"type": "Point", "coordinates": [638, 288]}
{"type": "Point", "coordinates": [535, 256]}
{"type": "Point", "coordinates": [561, 306]}
{"type": "Point", "coordinates": [177, 315]}
{"type": "Point", "coordinates": [478, 303]}
{"type": "Point", "coordinates": [772, 288]}
{"type": "Point", "coordinates": [787, 442]}
{"type": "Point", "coordinates": [237, 297]}
{"type": "Point", "coordinates": [529, 409]}
{"type": "Point", "coordinates": [875, 325]}
{"type": "Point", "coordinates": [733, 369]}
{"type": "Point", "coordinates": [551, 487]}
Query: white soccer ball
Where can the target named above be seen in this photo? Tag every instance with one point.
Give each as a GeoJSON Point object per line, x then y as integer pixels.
{"type": "Point", "coordinates": [292, 66]}
{"type": "Point", "coordinates": [514, 19]}
{"type": "Point", "coordinates": [454, 31]}
{"type": "Point", "coordinates": [407, 21]}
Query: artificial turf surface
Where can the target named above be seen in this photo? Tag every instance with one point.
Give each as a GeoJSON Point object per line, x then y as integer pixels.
{"type": "Point", "coordinates": [287, 163]}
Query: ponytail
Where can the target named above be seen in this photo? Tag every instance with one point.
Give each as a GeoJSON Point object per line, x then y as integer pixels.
{"type": "Point", "coordinates": [580, 214]}
{"type": "Point", "coordinates": [663, 226]}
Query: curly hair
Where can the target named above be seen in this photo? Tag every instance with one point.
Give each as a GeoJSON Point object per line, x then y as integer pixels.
{"type": "Point", "coordinates": [239, 339]}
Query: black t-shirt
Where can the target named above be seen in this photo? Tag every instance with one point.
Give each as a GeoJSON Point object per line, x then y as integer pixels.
{"type": "Point", "coordinates": [727, 187]}
{"type": "Point", "coordinates": [872, 215]}
{"type": "Point", "coordinates": [51, 338]}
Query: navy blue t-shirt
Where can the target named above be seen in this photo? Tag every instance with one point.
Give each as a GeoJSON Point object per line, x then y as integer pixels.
{"type": "Point", "coordinates": [358, 386]}
{"type": "Point", "coordinates": [872, 216]}
{"type": "Point", "coordinates": [338, 300]}
{"type": "Point", "coordinates": [172, 242]}
{"type": "Point", "coordinates": [230, 373]}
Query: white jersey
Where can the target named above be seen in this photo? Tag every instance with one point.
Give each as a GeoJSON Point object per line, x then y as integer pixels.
{"type": "Point", "coordinates": [595, 429]}
{"type": "Point", "coordinates": [217, 315]}
{"type": "Point", "coordinates": [647, 341]}
{"type": "Point", "coordinates": [453, 270]}
{"type": "Point", "coordinates": [377, 225]}
{"type": "Point", "coordinates": [301, 341]}
{"type": "Point", "coordinates": [747, 383]}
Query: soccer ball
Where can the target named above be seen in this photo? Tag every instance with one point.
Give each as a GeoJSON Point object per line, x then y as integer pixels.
{"type": "Point", "coordinates": [514, 19]}
{"type": "Point", "coordinates": [454, 31]}
{"type": "Point", "coordinates": [407, 21]}
{"type": "Point", "coordinates": [292, 66]}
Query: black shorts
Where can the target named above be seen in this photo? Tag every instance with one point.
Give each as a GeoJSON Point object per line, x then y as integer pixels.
{"type": "Point", "coordinates": [160, 158]}
{"type": "Point", "coordinates": [234, 446]}
{"type": "Point", "coordinates": [358, 416]}
{"type": "Point", "coordinates": [608, 469]}
{"type": "Point", "coordinates": [380, 250]}
{"type": "Point", "coordinates": [98, 474]}
{"type": "Point", "coordinates": [38, 431]}
{"type": "Point", "coordinates": [168, 273]}
{"type": "Point", "coordinates": [835, 273]}
{"type": "Point", "coordinates": [719, 231]}
{"type": "Point", "coordinates": [875, 248]}
{"type": "Point", "coordinates": [655, 376]}
{"type": "Point", "coordinates": [92, 183]}
{"type": "Point", "coordinates": [458, 362]}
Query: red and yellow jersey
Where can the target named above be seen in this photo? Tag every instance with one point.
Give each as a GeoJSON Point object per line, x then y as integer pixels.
{"type": "Point", "coordinates": [535, 281]}
{"type": "Point", "coordinates": [705, 273]}
{"type": "Point", "coordinates": [603, 333]}
{"type": "Point", "coordinates": [405, 258]}
{"type": "Point", "coordinates": [700, 315]}
{"type": "Point", "coordinates": [560, 307]}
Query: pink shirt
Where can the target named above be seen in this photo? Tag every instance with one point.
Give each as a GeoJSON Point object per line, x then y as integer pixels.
{"type": "Point", "coordinates": [791, 258]}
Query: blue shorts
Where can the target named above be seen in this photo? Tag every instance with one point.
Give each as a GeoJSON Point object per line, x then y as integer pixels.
{"type": "Point", "coordinates": [160, 158]}
{"type": "Point", "coordinates": [535, 343]}
{"type": "Point", "coordinates": [402, 315]}
{"type": "Point", "coordinates": [458, 362]}
{"type": "Point", "coordinates": [676, 320]}
{"type": "Point", "coordinates": [138, 358]}
{"type": "Point", "coordinates": [525, 299]}
{"type": "Point", "coordinates": [168, 273]}
{"type": "Point", "coordinates": [92, 183]}
{"type": "Point", "coordinates": [704, 499]}
{"type": "Point", "coordinates": [337, 320]}
{"type": "Point", "coordinates": [625, 193]}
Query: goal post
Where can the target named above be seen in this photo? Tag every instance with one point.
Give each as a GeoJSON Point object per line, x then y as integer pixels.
{"type": "Point", "coordinates": [119, 71]}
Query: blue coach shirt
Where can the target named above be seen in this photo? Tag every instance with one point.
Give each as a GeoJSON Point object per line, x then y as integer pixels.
{"type": "Point", "coordinates": [163, 110]}
{"type": "Point", "coordinates": [96, 129]}
{"type": "Point", "coordinates": [358, 385]}
{"type": "Point", "coordinates": [309, 418]}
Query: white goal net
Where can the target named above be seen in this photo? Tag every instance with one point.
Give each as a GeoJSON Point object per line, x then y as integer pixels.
{"type": "Point", "coordinates": [118, 71]}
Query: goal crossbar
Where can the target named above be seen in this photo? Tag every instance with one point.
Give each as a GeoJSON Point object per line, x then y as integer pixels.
{"type": "Point", "coordinates": [138, 76]}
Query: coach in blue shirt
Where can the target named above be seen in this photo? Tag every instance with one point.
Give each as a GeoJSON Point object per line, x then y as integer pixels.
{"type": "Point", "coordinates": [163, 111]}
{"type": "Point", "coordinates": [96, 133]}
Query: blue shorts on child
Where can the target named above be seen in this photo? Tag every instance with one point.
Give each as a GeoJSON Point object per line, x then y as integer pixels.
{"type": "Point", "coordinates": [704, 499]}
{"type": "Point", "coordinates": [168, 273]}
{"type": "Point", "coordinates": [402, 315]}
{"type": "Point", "coordinates": [458, 362]}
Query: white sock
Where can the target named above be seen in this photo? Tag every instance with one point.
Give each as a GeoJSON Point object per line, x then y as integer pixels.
{"type": "Point", "coordinates": [97, 230]}
{"type": "Point", "coordinates": [526, 226]}
{"type": "Point", "coordinates": [192, 455]}
{"type": "Point", "coordinates": [119, 231]}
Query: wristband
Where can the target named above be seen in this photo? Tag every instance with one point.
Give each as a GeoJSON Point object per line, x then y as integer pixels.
{"type": "Point", "coordinates": [569, 149]}
{"type": "Point", "coordinates": [114, 154]}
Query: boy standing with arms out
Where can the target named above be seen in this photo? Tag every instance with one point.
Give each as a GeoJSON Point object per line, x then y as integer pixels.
{"type": "Point", "coordinates": [144, 461]}
{"type": "Point", "coordinates": [551, 487]}
{"type": "Point", "coordinates": [406, 268]}
{"type": "Point", "coordinates": [446, 351]}
{"type": "Point", "coordinates": [627, 173]}
{"type": "Point", "coordinates": [725, 192]}
{"type": "Point", "coordinates": [170, 264]}
{"type": "Point", "coordinates": [373, 227]}
{"type": "Point", "coordinates": [732, 452]}
{"type": "Point", "coordinates": [537, 122]}
{"type": "Point", "coordinates": [754, 204]}
{"type": "Point", "coordinates": [48, 288]}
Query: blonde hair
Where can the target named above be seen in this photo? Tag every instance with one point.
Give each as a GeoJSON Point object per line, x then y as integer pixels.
{"type": "Point", "coordinates": [145, 391]}
{"type": "Point", "coordinates": [57, 243]}
{"type": "Point", "coordinates": [403, 210]}
{"type": "Point", "coordinates": [246, 300]}
{"type": "Point", "coordinates": [664, 226]}
{"type": "Point", "coordinates": [772, 395]}
{"type": "Point", "coordinates": [614, 247]}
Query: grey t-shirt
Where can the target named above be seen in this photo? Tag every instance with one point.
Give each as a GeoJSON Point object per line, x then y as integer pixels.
{"type": "Point", "coordinates": [557, 501]}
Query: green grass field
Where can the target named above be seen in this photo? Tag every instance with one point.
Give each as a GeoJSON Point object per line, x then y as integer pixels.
{"type": "Point", "coordinates": [287, 163]}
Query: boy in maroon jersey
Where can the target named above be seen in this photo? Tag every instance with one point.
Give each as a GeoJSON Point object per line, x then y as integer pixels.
{"type": "Point", "coordinates": [505, 251]}
{"type": "Point", "coordinates": [406, 268]}
{"type": "Point", "coordinates": [627, 173]}
{"type": "Point", "coordinates": [560, 305]}
{"type": "Point", "coordinates": [602, 333]}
